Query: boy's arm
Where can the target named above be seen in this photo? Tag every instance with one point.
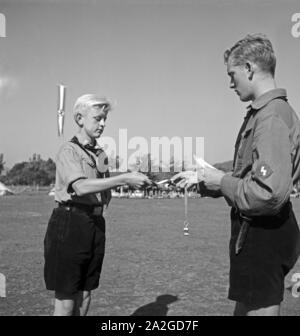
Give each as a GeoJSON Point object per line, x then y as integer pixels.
{"type": "Point", "coordinates": [90, 186]}
{"type": "Point", "coordinates": [69, 169]}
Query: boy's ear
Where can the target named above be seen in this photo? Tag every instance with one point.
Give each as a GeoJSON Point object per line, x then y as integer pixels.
{"type": "Point", "coordinates": [78, 119]}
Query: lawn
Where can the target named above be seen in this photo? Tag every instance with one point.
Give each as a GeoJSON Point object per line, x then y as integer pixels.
{"type": "Point", "coordinates": [150, 267]}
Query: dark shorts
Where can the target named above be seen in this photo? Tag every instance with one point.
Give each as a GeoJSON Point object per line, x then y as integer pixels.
{"type": "Point", "coordinates": [74, 250]}
{"type": "Point", "coordinates": [270, 251]}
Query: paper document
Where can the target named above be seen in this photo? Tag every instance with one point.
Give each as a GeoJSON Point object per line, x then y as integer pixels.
{"type": "Point", "coordinates": [201, 163]}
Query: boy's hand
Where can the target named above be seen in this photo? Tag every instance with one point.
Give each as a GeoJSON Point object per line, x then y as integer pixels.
{"type": "Point", "coordinates": [136, 179]}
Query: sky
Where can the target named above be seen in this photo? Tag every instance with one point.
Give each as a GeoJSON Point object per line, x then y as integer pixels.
{"type": "Point", "coordinates": [159, 62]}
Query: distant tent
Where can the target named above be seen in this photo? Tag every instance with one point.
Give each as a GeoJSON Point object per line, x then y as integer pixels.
{"type": "Point", "coordinates": [4, 191]}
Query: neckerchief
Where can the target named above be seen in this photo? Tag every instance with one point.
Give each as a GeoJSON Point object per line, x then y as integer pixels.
{"type": "Point", "coordinates": [106, 194]}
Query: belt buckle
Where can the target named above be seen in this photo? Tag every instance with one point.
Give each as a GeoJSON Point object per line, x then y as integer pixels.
{"type": "Point", "coordinates": [97, 211]}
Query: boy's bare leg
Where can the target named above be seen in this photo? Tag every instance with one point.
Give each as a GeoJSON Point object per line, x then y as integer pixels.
{"type": "Point", "coordinates": [244, 310]}
{"type": "Point", "coordinates": [64, 304]}
{"type": "Point", "coordinates": [82, 303]}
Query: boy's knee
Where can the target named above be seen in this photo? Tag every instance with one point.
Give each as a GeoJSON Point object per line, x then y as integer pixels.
{"type": "Point", "coordinates": [68, 306]}
{"type": "Point", "coordinates": [242, 309]}
{"type": "Point", "coordinates": [86, 295]}
{"type": "Point", "coordinates": [83, 297]}
{"type": "Point", "coordinates": [64, 304]}
{"type": "Point", "coordinates": [64, 307]}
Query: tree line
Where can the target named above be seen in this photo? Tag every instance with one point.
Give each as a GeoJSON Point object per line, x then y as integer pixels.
{"type": "Point", "coordinates": [35, 171]}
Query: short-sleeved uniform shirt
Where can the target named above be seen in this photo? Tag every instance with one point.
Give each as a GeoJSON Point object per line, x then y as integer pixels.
{"type": "Point", "coordinates": [72, 164]}
{"type": "Point", "coordinates": [74, 243]}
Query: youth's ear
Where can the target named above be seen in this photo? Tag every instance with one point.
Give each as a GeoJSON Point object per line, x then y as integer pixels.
{"type": "Point", "coordinates": [250, 67]}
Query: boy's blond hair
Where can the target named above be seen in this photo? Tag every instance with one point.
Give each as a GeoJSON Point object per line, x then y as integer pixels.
{"type": "Point", "coordinates": [85, 102]}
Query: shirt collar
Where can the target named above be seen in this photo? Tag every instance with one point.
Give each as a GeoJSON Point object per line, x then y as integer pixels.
{"type": "Point", "coordinates": [265, 98]}
{"type": "Point", "coordinates": [93, 147]}
{"type": "Point", "coordinates": [89, 144]}
{"type": "Point", "coordinates": [86, 143]}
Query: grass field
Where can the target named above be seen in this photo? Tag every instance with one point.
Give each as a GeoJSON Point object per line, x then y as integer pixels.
{"type": "Point", "coordinates": [150, 267]}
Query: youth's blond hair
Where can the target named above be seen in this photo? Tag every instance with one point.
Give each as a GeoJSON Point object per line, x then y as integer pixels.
{"type": "Point", "coordinates": [256, 48]}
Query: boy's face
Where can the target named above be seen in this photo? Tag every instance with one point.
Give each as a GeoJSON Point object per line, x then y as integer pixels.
{"type": "Point", "coordinates": [239, 81]}
{"type": "Point", "coordinates": [93, 122]}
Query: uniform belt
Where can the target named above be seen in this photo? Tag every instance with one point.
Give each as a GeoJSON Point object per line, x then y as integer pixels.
{"type": "Point", "coordinates": [282, 214]}
{"type": "Point", "coordinates": [95, 210]}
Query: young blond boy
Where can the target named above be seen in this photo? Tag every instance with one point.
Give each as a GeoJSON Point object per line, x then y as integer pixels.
{"type": "Point", "coordinates": [74, 244]}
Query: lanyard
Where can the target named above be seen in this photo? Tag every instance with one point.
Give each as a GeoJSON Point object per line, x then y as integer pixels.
{"type": "Point", "coordinates": [186, 222]}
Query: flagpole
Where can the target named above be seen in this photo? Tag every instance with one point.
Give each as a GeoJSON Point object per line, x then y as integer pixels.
{"type": "Point", "coordinates": [186, 222]}
{"type": "Point", "coordinates": [61, 102]}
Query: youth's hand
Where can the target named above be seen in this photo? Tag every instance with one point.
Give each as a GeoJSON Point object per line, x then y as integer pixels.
{"type": "Point", "coordinates": [212, 177]}
{"type": "Point", "coordinates": [136, 179]}
{"type": "Point", "coordinates": [185, 179]}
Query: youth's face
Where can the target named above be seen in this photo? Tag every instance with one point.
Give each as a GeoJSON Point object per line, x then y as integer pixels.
{"type": "Point", "coordinates": [239, 81]}
{"type": "Point", "coordinates": [94, 122]}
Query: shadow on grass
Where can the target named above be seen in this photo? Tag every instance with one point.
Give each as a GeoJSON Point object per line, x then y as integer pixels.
{"type": "Point", "coordinates": [157, 308]}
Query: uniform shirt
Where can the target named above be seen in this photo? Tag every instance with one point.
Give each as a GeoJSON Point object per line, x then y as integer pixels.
{"type": "Point", "coordinates": [267, 157]}
{"type": "Point", "coordinates": [72, 164]}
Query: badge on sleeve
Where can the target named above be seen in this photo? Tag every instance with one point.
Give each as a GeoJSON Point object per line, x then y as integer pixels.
{"type": "Point", "coordinates": [263, 170]}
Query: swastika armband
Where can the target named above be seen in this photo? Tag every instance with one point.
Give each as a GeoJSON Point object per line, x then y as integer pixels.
{"type": "Point", "coordinates": [263, 170]}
